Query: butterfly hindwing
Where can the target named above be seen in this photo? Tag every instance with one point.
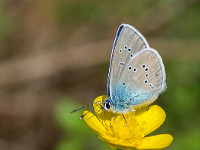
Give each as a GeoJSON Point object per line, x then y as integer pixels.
{"type": "Point", "coordinates": [143, 78]}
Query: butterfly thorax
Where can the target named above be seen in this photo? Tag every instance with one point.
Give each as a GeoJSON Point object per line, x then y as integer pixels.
{"type": "Point", "coordinates": [121, 108]}
{"type": "Point", "coordinates": [117, 106]}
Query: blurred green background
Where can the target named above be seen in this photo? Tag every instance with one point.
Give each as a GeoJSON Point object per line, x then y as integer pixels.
{"type": "Point", "coordinates": [54, 57]}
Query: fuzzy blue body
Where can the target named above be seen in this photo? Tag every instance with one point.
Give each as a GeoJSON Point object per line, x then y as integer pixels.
{"type": "Point", "coordinates": [125, 98]}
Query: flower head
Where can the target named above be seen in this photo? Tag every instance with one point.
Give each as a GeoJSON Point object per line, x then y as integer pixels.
{"type": "Point", "coordinates": [129, 132]}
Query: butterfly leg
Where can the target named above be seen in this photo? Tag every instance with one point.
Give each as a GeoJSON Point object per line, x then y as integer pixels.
{"type": "Point", "coordinates": [96, 114]}
{"type": "Point", "coordinates": [124, 119]}
{"type": "Point", "coordinates": [132, 114]}
{"type": "Point", "coordinates": [114, 118]}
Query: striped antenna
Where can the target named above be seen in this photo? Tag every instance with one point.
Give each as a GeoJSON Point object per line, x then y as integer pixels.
{"type": "Point", "coordinates": [84, 106]}
{"type": "Point", "coordinates": [81, 108]}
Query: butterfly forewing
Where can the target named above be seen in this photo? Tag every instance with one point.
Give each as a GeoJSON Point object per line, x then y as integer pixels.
{"type": "Point", "coordinates": [128, 42]}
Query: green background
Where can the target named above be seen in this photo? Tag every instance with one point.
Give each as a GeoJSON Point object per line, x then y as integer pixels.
{"type": "Point", "coordinates": [54, 57]}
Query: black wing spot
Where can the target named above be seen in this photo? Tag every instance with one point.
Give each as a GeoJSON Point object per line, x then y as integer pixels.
{"type": "Point", "coordinates": [151, 86]}
{"type": "Point", "coordinates": [143, 66]}
{"type": "Point", "coordinates": [147, 75]}
{"type": "Point", "coordinates": [131, 55]}
{"type": "Point", "coordinates": [129, 49]}
{"type": "Point", "coordinates": [120, 50]}
{"type": "Point", "coordinates": [121, 63]}
{"type": "Point", "coordinates": [147, 69]}
{"type": "Point", "coordinates": [145, 81]}
{"type": "Point", "coordinates": [129, 68]}
{"type": "Point", "coordinates": [125, 47]}
{"type": "Point", "coordinates": [135, 69]}
{"type": "Point", "coordinates": [124, 83]}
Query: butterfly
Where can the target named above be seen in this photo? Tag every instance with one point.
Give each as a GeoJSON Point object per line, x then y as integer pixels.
{"type": "Point", "coordinates": [136, 73]}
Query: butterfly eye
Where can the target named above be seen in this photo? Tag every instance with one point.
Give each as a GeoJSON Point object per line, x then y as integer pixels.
{"type": "Point", "coordinates": [107, 105]}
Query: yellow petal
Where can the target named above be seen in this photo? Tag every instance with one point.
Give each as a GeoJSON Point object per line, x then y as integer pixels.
{"type": "Point", "coordinates": [117, 144]}
{"type": "Point", "coordinates": [98, 102]}
{"type": "Point", "coordinates": [156, 142]}
{"type": "Point", "coordinates": [153, 142]}
{"type": "Point", "coordinates": [92, 121]}
{"type": "Point", "coordinates": [151, 119]}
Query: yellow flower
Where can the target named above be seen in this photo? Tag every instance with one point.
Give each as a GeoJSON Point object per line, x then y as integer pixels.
{"type": "Point", "coordinates": [116, 134]}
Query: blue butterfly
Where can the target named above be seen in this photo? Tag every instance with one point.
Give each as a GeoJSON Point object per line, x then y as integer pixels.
{"type": "Point", "coordinates": [136, 73]}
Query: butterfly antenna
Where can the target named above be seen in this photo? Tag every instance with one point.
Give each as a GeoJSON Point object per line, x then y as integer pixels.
{"type": "Point", "coordinates": [124, 119]}
{"type": "Point", "coordinates": [84, 107]}
{"type": "Point", "coordinates": [86, 113]}
{"type": "Point", "coordinates": [90, 110]}
{"type": "Point", "coordinates": [81, 108]}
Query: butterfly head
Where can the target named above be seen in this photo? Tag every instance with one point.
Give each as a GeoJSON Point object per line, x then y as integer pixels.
{"type": "Point", "coordinates": [107, 105]}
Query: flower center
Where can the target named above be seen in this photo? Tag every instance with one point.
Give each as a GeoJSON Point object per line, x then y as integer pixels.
{"type": "Point", "coordinates": [119, 130]}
